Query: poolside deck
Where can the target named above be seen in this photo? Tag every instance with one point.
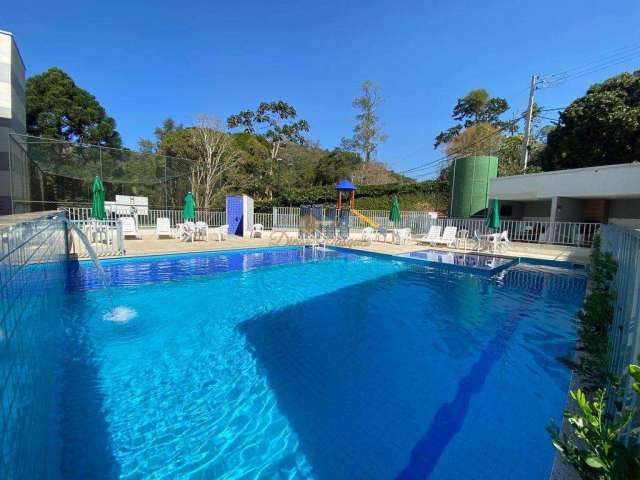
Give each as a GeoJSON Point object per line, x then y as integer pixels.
{"type": "Point", "coordinates": [150, 245]}
{"type": "Point", "coordinates": [529, 250]}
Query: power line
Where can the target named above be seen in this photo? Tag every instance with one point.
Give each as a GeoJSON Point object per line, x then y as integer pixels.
{"type": "Point", "coordinates": [450, 156]}
{"type": "Point", "coordinates": [423, 145]}
{"type": "Point", "coordinates": [616, 57]}
{"type": "Point", "coordinates": [601, 64]}
{"type": "Point", "coordinates": [622, 51]}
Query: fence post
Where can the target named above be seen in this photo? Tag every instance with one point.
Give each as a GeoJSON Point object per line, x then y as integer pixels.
{"type": "Point", "coordinates": [120, 237]}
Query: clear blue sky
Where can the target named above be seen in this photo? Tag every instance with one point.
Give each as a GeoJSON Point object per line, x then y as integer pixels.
{"type": "Point", "coordinates": [145, 61]}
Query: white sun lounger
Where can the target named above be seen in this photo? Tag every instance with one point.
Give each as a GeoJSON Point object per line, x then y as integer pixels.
{"type": "Point", "coordinates": [129, 228]}
{"type": "Point", "coordinates": [432, 236]}
{"type": "Point", "coordinates": [163, 227]}
{"type": "Point", "coordinates": [448, 237]}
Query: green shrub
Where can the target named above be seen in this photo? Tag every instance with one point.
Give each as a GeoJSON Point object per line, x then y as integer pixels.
{"type": "Point", "coordinates": [594, 320]}
{"type": "Point", "coordinates": [597, 452]}
{"type": "Point", "coordinates": [593, 447]}
{"type": "Point", "coordinates": [430, 195]}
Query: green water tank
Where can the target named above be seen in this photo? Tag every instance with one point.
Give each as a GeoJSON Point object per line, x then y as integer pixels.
{"type": "Point", "coordinates": [470, 185]}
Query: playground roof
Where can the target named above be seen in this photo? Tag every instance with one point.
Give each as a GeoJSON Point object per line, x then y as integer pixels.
{"type": "Point", "coordinates": [345, 184]}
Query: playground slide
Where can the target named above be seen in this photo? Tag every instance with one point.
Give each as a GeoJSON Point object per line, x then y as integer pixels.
{"type": "Point", "coordinates": [364, 218]}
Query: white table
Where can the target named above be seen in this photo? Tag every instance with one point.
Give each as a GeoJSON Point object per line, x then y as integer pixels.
{"type": "Point", "coordinates": [395, 233]}
{"type": "Point", "coordinates": [383, 233]}
{"type": "Point", "coordinates": [493, 238]}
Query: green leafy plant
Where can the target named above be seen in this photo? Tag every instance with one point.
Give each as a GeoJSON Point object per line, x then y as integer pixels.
{"type": "Point", "coordinates": [592, 444]}
{"type": "Point", "coordinates": [634, 371]}
{"type": "Point", "coordinates": [594, 448]}
{"type": "Point", "coordinates": [594, 320]}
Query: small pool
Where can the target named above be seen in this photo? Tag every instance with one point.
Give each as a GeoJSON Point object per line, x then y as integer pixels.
{"type": "Point", "coordinates": [303, 363]}
{"type": "Point", "coordinates": [478, 263]}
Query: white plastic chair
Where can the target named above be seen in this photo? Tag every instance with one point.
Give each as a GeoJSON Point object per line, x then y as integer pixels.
{"type": "Point", "coordinates": [479, 239]}
{"type": "Point", "coordinates": [367, 235]}
{"type": "Point", "coordinates": [257, 230]}
{"type": "Point", "coordinates": [220, 232]}
{"type": "Point", "coordinates": [187, 231]}
{"type": "Point", "coordinates": [163, 227]}
{"type": "Point", "coordinates": [433, 236]}
{"type": "Point", "coordinates": [402, 236]}
{"type": "Point", "coordinates": [463, 235]}
{"type": "Point", "coordinates": [503, 242]}
{"type": "Point", "coordinates": [448, 237]}
{"type": "Point", "coordinates": [202, 230]}
{"type": "Point", "coordinates": [129, 228]}
{"type": "Point", "coordinates": [97, 231]}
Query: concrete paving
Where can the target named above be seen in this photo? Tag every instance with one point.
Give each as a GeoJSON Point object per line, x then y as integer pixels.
{"type": "Point", "coordinates": [150, 245]}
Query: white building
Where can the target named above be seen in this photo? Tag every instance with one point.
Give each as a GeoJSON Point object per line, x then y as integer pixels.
{"type": "Point", "coordinates": [13, 118]}
{"type": "Point", "coordinates": [607, 194]}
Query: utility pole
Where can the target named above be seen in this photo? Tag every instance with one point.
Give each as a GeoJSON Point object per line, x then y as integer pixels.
{"type": "Point", "coordinates": [527, 125]}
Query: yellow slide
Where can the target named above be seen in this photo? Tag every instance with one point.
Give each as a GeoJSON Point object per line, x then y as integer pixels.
{"type": "Point", "coordinates": [364, 218]}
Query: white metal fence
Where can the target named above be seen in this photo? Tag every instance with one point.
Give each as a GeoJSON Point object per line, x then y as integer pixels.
{"type": "Point", "coordinates": [579, 234]}
{"type": "Point", "coordinates": [533, 231]}
{"type": "Point", "coordinates": [214, 218]}
{"type": "Point", "coordinates": [624, 335]}
{"type": "Point", "coordinates": [105, 236]}
{"type": "Point", "coordinates": [33, 274]}
{"type": "Point", "coordinates": [266, 219]}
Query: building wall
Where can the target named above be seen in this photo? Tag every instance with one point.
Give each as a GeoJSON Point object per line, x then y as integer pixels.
{"type": "Point", "coordinates": [569, 210]}
{"type": "Point", "coordinates": [12, 118]}
{"type": "Point", "coordinates": [625, 213]}
{"type": "Point", "coordinates": [536, 210]}
{"type": "Point", "coordinates": [610, 181]}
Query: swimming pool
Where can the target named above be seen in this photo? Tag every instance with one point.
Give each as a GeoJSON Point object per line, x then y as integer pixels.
{"type": "Point", "coordinates": [473, 262]}
{"type": "Point", "coordinates": [312, 363]}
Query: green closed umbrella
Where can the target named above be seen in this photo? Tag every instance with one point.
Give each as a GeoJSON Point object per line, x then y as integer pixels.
{"type": "Point", "coordinates": [189, 211]}
{"type": "Point", "coordinates": [493, 214]}
{"type": "Point", "coordinates": [394, 213]}
{"type": "Point", "coordinates": [97, 203]}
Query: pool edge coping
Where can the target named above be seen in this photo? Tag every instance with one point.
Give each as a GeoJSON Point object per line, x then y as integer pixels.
{"type": "Point", "coordinates": [515, 261]}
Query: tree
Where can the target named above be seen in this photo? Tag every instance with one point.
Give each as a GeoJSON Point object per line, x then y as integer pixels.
{"type": "Point", "coordinates": [275, 121]}
{"type": "Point", "coordinates": [58, 108]}
{"type": "Point", "coordinates": [477, 106]}
{"type": "Point", "coordinates": [367, 134]}
{"type": "Point", "coordinates": [334, 166]}
{"type": "Point", "coordinates": [600, 128]}
{"type": "Point", "coordinates": [214, 154]}
{"type": "Point", "coordinates": [204, 151]}
{"type": "Point", "coordinates": [478, 139]}
{"type": "Point", "coordinates": [510, 156]}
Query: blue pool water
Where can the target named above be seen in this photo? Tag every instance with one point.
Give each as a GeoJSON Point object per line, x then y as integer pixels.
{"type": "Point", "coordinates": [472, 262]}
{"type": "Point", "coordinates": [300, 363]}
